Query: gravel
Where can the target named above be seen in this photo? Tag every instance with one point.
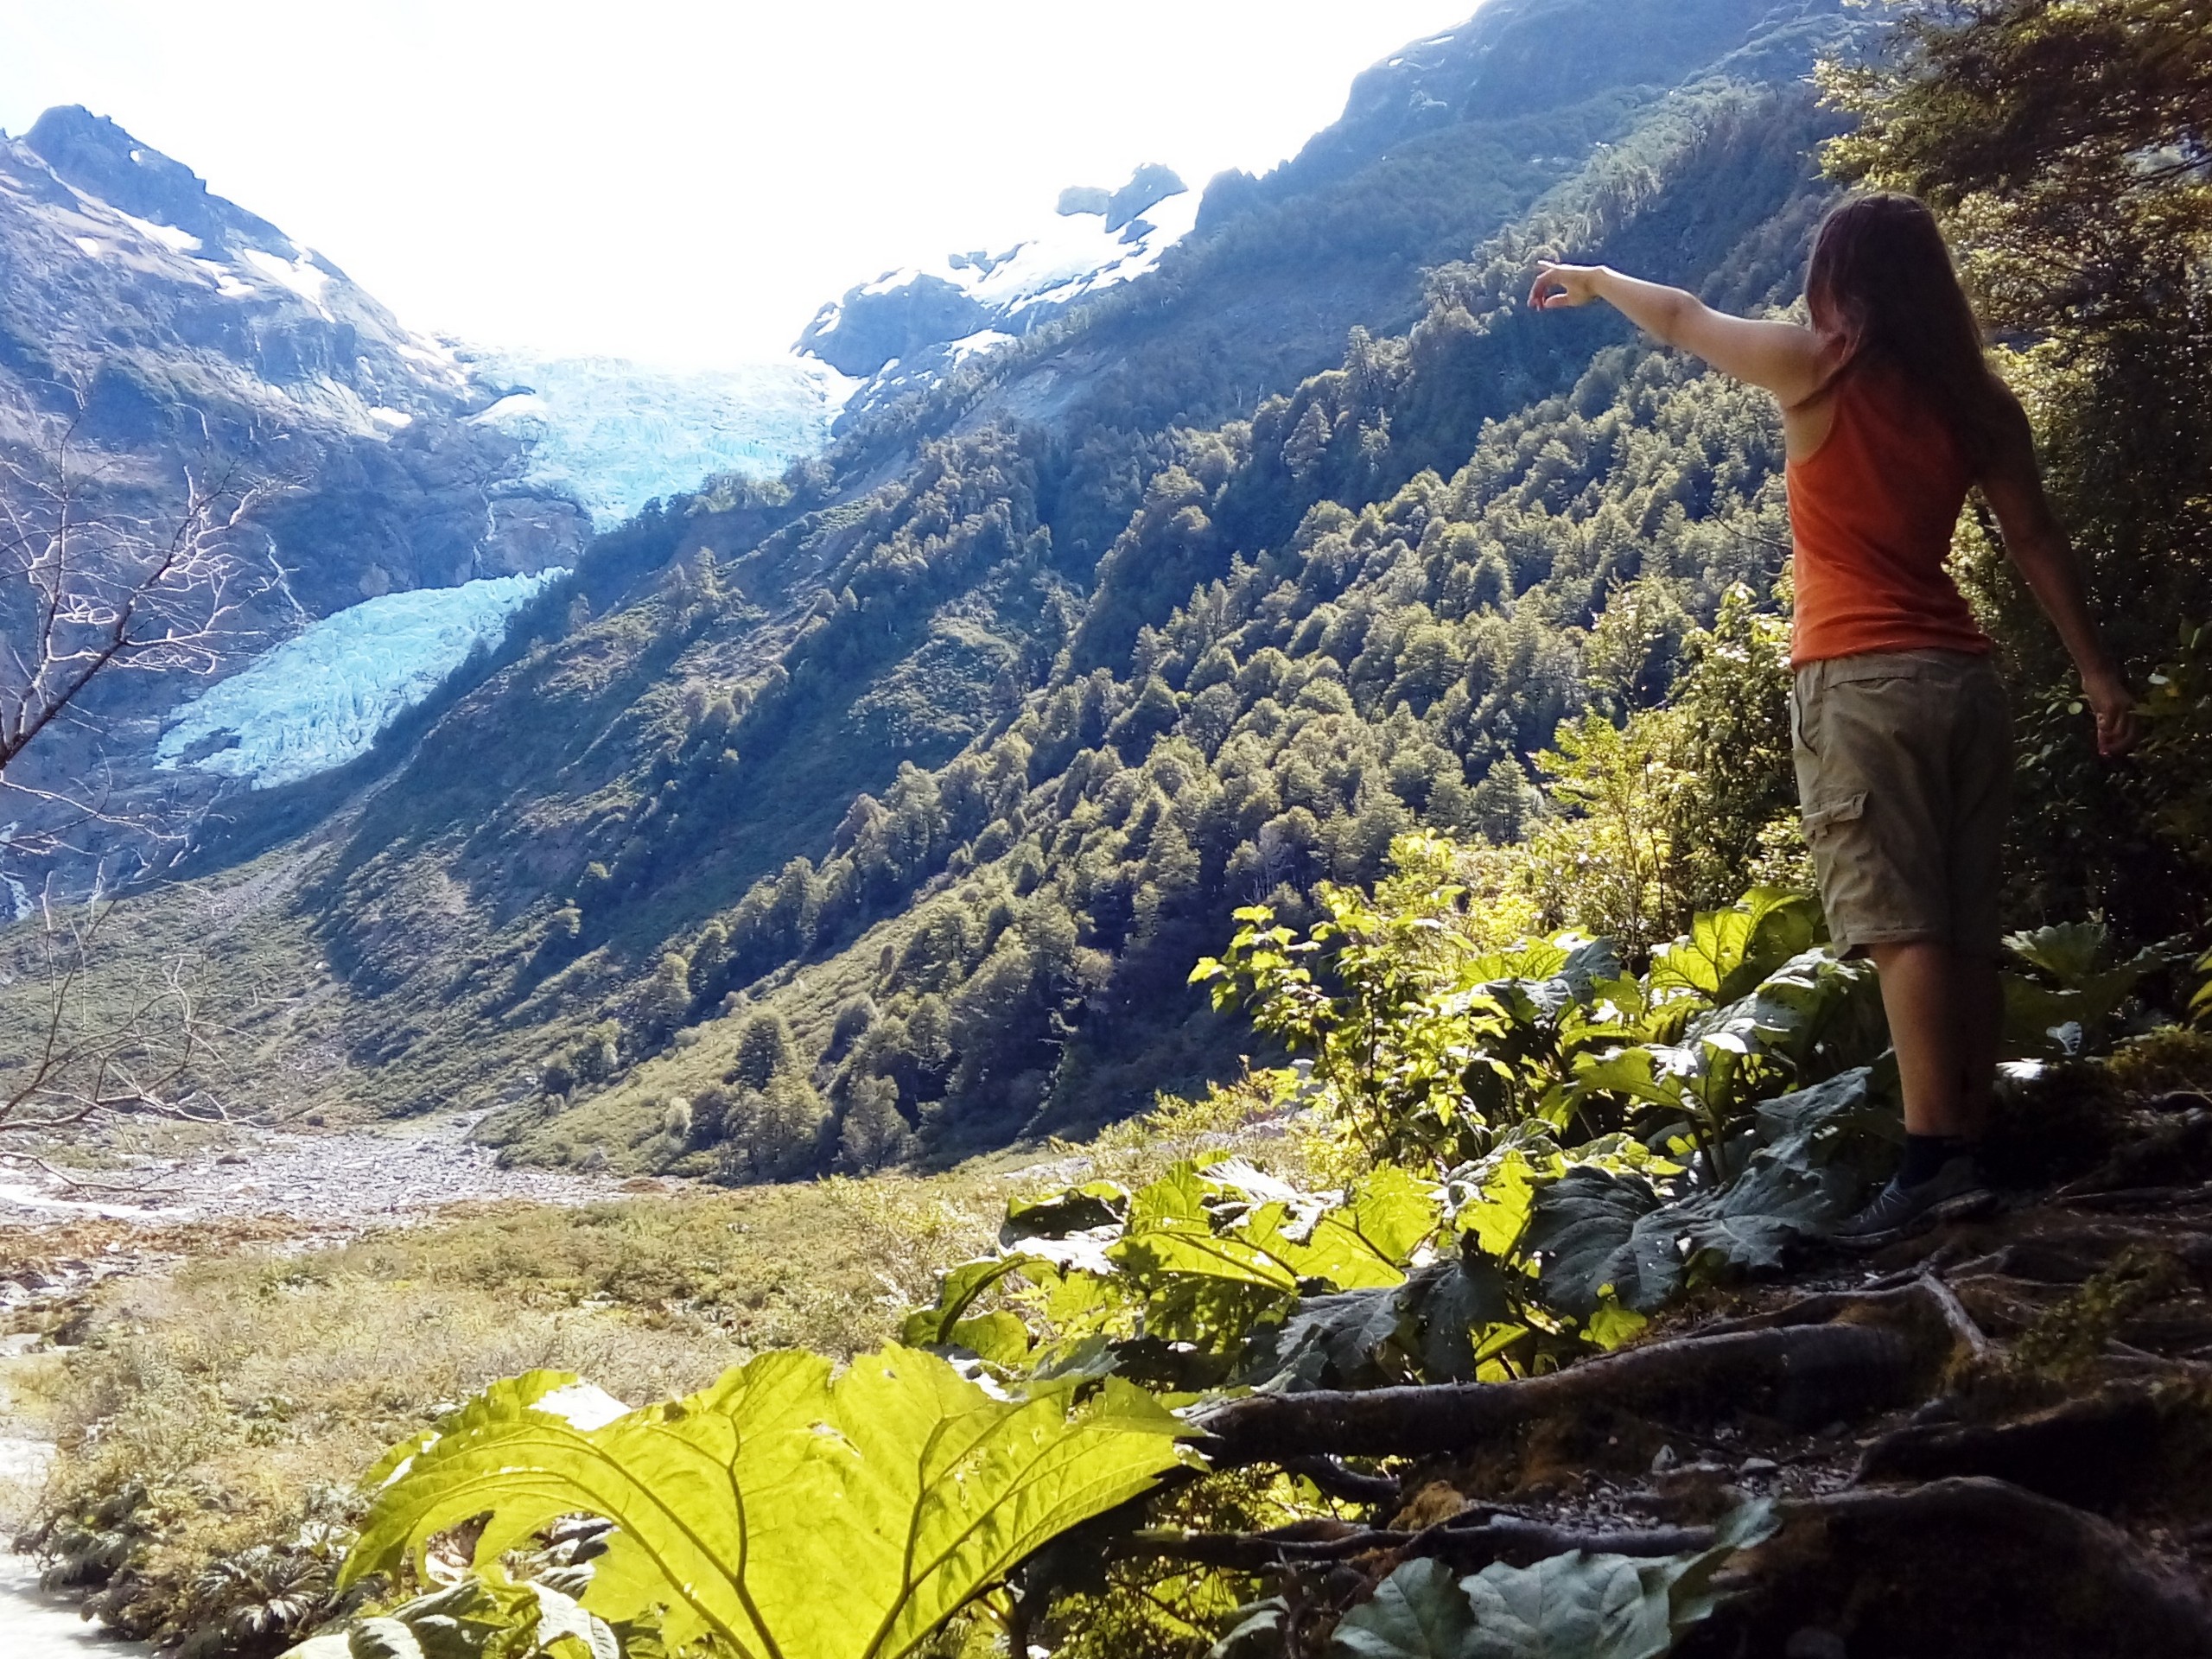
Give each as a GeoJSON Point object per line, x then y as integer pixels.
{"type": "Point", "coordinates": [337, 1179]}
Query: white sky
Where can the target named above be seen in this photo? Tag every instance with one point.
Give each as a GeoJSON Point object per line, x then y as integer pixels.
{"type": "Point", "coordinates": [684, 182]}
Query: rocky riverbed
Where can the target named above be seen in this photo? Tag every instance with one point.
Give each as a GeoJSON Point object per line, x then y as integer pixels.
{"type": "Point", "coordinates": [338, 1180]}
{"type": "Point", "coordinates": [62, 1233]}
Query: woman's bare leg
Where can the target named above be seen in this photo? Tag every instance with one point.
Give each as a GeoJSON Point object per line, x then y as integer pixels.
{"type": "Point", "coordinates": [1943, 1023]}
{"type": "Point", "coordinates": [1981, 1020]}
{"type": "Point", "coordinates": [1935, 1017]}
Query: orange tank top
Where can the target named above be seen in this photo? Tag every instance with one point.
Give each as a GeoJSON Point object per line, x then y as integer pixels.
{"type": "Point", "coordinates": [1870, 516]}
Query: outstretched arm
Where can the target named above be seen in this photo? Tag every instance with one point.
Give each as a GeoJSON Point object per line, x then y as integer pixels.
{"type": "Point", "coordinates": [1782, 356]}
{"type": "Point", "coordinates": [2039, 550]}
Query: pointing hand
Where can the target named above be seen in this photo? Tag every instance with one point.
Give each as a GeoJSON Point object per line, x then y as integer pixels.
{"type": "Point", "coordinates": [1557, 285]}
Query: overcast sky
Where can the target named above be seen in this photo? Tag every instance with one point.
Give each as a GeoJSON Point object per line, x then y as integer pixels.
{"type": "Point", "coordinates": [678, 182]}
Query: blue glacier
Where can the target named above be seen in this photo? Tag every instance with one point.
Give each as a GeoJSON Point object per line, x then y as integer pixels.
{"type": "Point", "coordinates": [319, 699]}
{"type": "Point", "coordinates": [613, 435]}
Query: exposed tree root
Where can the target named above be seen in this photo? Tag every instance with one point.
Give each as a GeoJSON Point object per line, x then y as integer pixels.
{"type": "Point", "coordinates": [1924, 1293]}
{"type": "Point", "coordinates": [2142, 1197]}
{"type": "Point", "coordinates": [1799, 1374]}
{"type": "Point", "coordinates": [1335, 1479]}
{"type": "Point", "coordinates": [1962, 1568]}
{"type": "Point", "coordinates": [2038, 1479]}
{"type": "Point", "coordinates": [2082, 1451]}
{"type": "Point", "coordinates": [1473, 1542]}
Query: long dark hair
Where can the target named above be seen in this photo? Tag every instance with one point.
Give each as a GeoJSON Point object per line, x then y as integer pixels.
{"type": "Point", "coordinates": [1883, 291]}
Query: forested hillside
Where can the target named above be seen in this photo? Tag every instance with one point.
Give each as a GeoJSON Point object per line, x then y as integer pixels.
{"type": "Point", "coordinates": [883, 810]}
{"type": "Point", "coordinates": [931, 789]}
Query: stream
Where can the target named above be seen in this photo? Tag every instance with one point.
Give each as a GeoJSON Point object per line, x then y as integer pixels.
{"type": "Point", "coordinates": [37, 1623]}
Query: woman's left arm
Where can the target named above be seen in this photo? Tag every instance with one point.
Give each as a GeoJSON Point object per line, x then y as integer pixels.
{"type": "Point", "coordinates": [2037, 544]}
{"type": "Point", "coordinates": [1782, 356]}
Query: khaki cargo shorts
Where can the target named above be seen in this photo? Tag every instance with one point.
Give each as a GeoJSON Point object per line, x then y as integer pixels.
{"type": "Point", "coordinates": [1904, 760]}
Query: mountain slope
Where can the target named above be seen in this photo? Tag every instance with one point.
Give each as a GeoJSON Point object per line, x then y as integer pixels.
{"type": "Point", "coordinates": [1440, 147]}
{"type": "Point", "coordinates": [195, 326]}
{"type": "Point", "coordinates": [951, 751]}
{"type": "Point", "coordinates": [172, 331]}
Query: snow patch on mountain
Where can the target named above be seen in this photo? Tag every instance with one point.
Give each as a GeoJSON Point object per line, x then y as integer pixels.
{"type": "Point", "coordinates": [613, 434]}
{"type": "Point", "coordinates": [983, 340]}
{"type": "Point", "coordinates": [168, 236]}
{"type": "Point", "coordinates": [318, 700]}
{"type": "Point", "coordinates": [924, 320]}
{"type": "Point", "coordinates": [1077, 255]}
{"type": "Point", "coordinates": [299, 275]}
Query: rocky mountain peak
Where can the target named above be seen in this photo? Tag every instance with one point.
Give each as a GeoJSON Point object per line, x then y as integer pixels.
{"type": "Point", "coordinates": [95, 154]}
{"type": "Point", "coordinates": [1149, 185]}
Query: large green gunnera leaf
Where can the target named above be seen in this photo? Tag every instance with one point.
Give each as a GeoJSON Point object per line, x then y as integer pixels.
{"type": "Point", "coordinates": [789, 1512]}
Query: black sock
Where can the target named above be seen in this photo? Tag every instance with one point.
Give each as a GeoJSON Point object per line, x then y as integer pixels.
{"type": "Point", "coordinates": [1924, 1154]}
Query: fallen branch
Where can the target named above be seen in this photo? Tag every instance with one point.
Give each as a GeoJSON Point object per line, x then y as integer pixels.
{"type": "Point", "coordinates": [1810, 1375]}
{"type": "Point", "coordinates": [153, 1186]}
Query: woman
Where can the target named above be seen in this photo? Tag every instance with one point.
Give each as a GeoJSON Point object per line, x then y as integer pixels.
{"type": "Point", "coordinates": [1889, 415]}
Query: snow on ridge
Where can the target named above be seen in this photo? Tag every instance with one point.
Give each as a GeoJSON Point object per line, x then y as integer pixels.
{"type": "Point", "coordinates": [983, 340]}
{"type": "Point", "coordinates": [318, 700]}
{"type": "Point", "coordinates": [1075, 256]}
{"type": "Point", "coordinates": [168, 235]}
{"type": "Point", "coordinates": [226, 280]}
{"type": "Point", "coordinates": [302, 276]}
{"type": "Point", "coordinates": [615, 435]}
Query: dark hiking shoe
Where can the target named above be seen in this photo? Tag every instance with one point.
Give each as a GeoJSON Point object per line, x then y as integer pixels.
{"type": "Point", "coordinates": [1954, 1192]}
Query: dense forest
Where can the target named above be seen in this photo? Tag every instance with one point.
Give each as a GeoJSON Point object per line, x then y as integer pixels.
{"type": "Point", "coordinates": [1113, 684]}
{"type": "Point", "coordinates": [1393, 769]}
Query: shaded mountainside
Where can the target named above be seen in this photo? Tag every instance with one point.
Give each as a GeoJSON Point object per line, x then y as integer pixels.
{"type": "Point", "coordinates": [198, 329]}
{"type": "Point", "coordinates": [175, 332]}
{"type": "Point", "coordinates": [181, 333]}
{"type": "Point", "coordinates": [888, 807]}
{"type": "Point", "coordinates": [1441, 146]}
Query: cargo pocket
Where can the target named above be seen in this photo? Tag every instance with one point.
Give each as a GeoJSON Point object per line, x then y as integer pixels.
{"type": "Point", "coordinates": [1829, 813]}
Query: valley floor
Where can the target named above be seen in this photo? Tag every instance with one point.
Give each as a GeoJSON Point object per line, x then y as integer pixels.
{"type": "Point", "coordinates": [214, 1341]}
{"type": "Point", "coordinates": [63, 1241]}
{"type": "Point", "coordinates": [343, 1179]}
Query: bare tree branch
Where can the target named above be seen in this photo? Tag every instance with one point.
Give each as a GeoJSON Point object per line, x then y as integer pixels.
{"type": "Point", "coordinates": [94, 582]}
{"type": "Point", "coordinates": [89, 587]}
{"type": "Point", "coordinates": [145, 1046]}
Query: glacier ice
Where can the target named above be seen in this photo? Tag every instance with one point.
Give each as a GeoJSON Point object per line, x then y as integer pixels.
{"type": "Point", "coordinates": [613, 434]}
{"type": "Point", "coordinates": [319, 699]}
